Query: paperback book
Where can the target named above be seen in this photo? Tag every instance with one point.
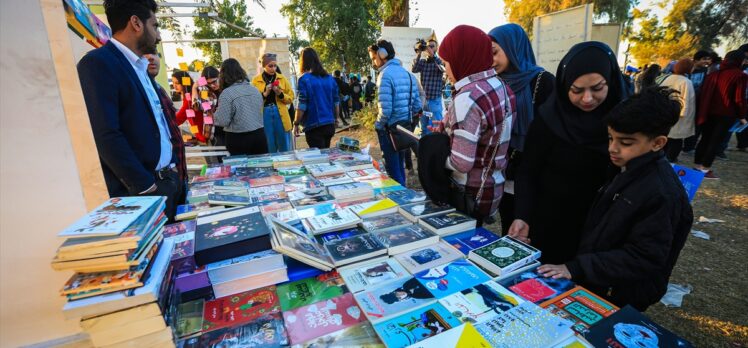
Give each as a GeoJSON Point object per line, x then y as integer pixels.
{"type": "Point", "coordinates": [322, 318]}
{"type": "Point", "coordinates": [336, 220]}
{"type": "Point", "coordinates": [370, 275]}
{"type": "Point", "coordinates": [231, 234]}
{"type": "Point", "coordinates": [240, 308]}
{"type": "Point", "coordinates": [266, 181]}
{"type": "Point", "coordinates": [406, 238]}
{"type": "Point", "coordinates": [297, 245]}
{"type": "Point", "coordinates": [343, 234]}
{"type": "Point", "coordinates": [359, 336]}
{"type": "Point", "coordinates": [189, 317]}
{"type": "Point", "coordinates": [452, 277]}
{"type": "Point", "coordinates": [354, 249]}
{"type": "Point", "coordinates": [504, 255]}
{"type": "Point", "coordinates": [363, 173]}
{"type": "Point", "coordinates": [525, 325]}
{"type": "Point", "coordinates": [385, 222]}
{"type": "Point", "coordinates": [190, 211]}
{"type": "Point", "coordinates": [472, 239]}
{"type": "Point", "coordinates": [304, 292]}
{"type": "Point", "coordinates": [629, 328]}
{"type": "Point", "coordinates": [463, 336]}
{"type": "Point", "coordinates": [302, 183]}
{"type": "Point", "coordinates": [415, 326]}
{"type": "Point", "coordinates": [309, 197]}
{"type": "Point", "coordinates": [407, 196]}
{"type": "Point", "coordinates": [428, 257]}
{"type": "Point", "coordinates": [448, 223]}
{"type": "Point", "coordinates": [267, 331]}
{"type": "Point", "coordinates": [581, 307]}
{"type": "Point", "coordinates": [374, 208]}
{"type": "Point", "coordinates": [480, 302]}
{"type": "Point", "coordinates": [534, 287]}
{"type": "Point", "coordinates": [394, 298]}
{"type": "Point", "coordinates": [233, 200]}
{"type": "Point", "coordinates": [414, 212]}
{"type": "Point", "coordinates": [292, 171]}
{"type": "Point", "coordinates": [113, 217]}
{"type": "Point", "coordinates": [322, 169]}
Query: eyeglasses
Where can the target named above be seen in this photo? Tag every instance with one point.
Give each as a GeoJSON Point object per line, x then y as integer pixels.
{"type": "Point", "coordinates": [213, 82]}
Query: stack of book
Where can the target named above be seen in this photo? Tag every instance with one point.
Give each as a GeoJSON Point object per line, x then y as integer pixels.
{"type": "Point", "coordinates": [120, 259]}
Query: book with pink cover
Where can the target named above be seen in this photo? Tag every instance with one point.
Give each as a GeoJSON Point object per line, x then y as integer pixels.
{"type": "Point", "coordinates": [322, 318]}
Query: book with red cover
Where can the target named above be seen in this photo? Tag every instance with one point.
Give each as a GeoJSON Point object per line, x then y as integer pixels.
{"type": "Point", "coordinates": [240, 308]}
{"type": "Point", "coordinates": [536, 288]}
{"type": "Point", "coordinates": [580, 307]}
{"type": "Point", "coordinates": [322, 318]}
{"type": "Point", "coordinates": [266, 181]}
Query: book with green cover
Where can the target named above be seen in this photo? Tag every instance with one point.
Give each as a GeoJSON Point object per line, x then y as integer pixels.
{"type": "Point", "coordinates": [311, 290]}
{"type": "Point", "coordinates": [190, 317]}
{"type": "Point", "coordinates": [504, 255]}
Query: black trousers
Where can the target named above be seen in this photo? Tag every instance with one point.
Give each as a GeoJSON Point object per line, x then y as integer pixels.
{"type": "Point", "coordinates": [689, 144]}
{"type": "Point", "coordinates": [713, 132]}
{"type": "Point", "coordinates": [171, 187]}
{"type": "Point", "coordinates": [506, 212]}
{"type": "Point", "coordinates": [320, 137]}
{"type": "Point", "coordinates": [247, 143]}
{"type": "Point", "coordinates": [742, 139]}
{"type": "Point", "coordinates": [673, 148]}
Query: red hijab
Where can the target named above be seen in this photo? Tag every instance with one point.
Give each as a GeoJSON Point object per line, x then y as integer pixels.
{"type": "Point", "coordinates": [468, 51]}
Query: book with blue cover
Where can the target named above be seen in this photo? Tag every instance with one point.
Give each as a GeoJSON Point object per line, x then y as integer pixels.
{"type": "Point", "coordinates": [406, 196]}
{"type": "Point", "coordinates": [415, 326]}
{"type": "Point", "coordinates": [473, 239]}
{"type": "Point", "coordinates": [346, 233]}
{"type": "Point", "coordinates": [690, 178]}
{"type": "Point", "coordinates": [450, 278]}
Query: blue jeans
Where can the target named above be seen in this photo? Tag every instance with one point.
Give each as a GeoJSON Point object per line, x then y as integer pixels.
{"type": "Point", "coordinates": [435, 106]}
{"type": "Point", "coordinates": [277, 137]}
{"type": "Point", "coordinates": [393, 161]}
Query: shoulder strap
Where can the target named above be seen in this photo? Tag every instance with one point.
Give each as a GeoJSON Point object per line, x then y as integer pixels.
{"type": "Point", "coordinates": [488, 169]}
{"type": "Point", "coordinates": [537, 86]}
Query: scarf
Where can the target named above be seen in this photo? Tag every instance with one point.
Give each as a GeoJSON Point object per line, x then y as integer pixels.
{"type": "Point", "coordinates": [570, 123]}
{"type": "Point", "coordinates": [467, 50]}
{"type": "Point", "coordinates": [513, 40]}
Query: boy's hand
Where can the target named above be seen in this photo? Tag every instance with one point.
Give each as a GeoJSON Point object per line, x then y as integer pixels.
{"type": "Point", "coordinates": [519, 230]}
{"type": "Point", "coordinates": [554, 271]}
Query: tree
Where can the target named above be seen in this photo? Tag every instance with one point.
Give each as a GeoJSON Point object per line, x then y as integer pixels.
{"type": "Point", "coordinates": [523, 12]}
{"type": "Point", "coordinates": [657, 42]}
{"type": "Point", "coordinates": [396, 13]}
{"type": "Point", "coordinates": [232, 11]}
{"type": "Point", "coordinates": [339, 30]}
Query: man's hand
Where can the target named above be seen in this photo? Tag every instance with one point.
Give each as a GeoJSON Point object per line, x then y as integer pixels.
{"type": "Point", "coordinates": [519, 230]}
{"type": "Point", "coordinates": [743, 121]}
{"type": "Point", "coordinates": [554, 271]}
{"type": "Point", "coordinates": [296, 130]}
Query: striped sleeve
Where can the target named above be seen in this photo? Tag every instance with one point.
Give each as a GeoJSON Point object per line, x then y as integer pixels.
{"type": "Point", "coordinates": [470, 121]}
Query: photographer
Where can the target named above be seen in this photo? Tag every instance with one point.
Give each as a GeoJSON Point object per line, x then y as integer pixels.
{"type": "Point", "coordinates": [431, 68]}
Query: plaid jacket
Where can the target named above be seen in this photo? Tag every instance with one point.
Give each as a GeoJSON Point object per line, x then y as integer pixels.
{"type": "Point", "coordinates": [479, 117]}
{"type": "Point", "coordinates": [431, 76]}
{"type": "Point", "coordinates": [177, 143]}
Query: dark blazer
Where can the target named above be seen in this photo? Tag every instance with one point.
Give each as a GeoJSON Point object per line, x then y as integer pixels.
{"type": "Point", "coordinates": [634, 234]}
{"type": "Point", "coordinates": [122, 121]}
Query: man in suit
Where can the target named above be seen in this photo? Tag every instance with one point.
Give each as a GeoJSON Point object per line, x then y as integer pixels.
{"type": "Point", "coordinates": [128, 122]}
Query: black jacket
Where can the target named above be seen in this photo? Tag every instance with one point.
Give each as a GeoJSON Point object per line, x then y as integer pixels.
{"type": "Point", "coordinates": [634, 233]}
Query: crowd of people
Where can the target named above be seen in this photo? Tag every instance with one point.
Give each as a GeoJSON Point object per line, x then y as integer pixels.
{"type": "Point", "coordinates": [575, 164]}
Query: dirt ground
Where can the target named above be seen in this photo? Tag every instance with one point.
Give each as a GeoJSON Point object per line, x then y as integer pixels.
{"type": "Point", "coordinates": [715, 314]}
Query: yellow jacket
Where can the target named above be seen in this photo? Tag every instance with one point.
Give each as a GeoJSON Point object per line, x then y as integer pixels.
{"type": "Point", "coordinates": [282, 103]}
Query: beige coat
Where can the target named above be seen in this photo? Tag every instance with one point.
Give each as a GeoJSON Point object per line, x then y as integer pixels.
{"type": "Point", "coordinates": [686, 124]}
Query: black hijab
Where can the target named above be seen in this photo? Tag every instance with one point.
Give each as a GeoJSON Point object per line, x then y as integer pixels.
{"type": "Point", "coordinates": [570, 123]}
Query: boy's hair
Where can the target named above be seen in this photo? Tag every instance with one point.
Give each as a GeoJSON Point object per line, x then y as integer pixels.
{"type": "Point", "coordinates": [119, 12]}
{"type": "Point", "coordinates": [701, 54]}
{"type": "Point", "coordinates": [652, 112]}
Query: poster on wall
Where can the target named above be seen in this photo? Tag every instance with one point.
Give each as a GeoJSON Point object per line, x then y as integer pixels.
{"type": "Point", "coordinates": [555, 33]}
{"type": "Point", "coordinates": [404, 39]}
{"type": "Point", "coordinates": [85, 24]}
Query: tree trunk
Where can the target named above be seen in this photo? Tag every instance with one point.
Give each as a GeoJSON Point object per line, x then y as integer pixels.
{"type": "Point", "coordinates": [400, 14]}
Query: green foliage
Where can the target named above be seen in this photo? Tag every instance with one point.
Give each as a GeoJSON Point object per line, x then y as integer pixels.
{"type": "Point", "coordinates": [366, 116]}
{"type": "Point", "coordinates": [523, 12]}
{"type": "Point", "coordinates": [339, 30]}
{"type": "Point", "coordinates": [233, 11]}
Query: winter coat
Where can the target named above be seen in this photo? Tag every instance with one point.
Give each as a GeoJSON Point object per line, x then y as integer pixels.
{"type": "Point", "coordinates": [282, 103]}
{"type": "Point", "coordinates": [686, 123]}
{"type": "Point", "coordinates": [634, 233]}
{"type": "Point", "coordinates": [397, 89]}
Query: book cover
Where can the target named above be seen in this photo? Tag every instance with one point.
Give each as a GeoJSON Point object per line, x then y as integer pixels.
{"type": "Point", "coordinates": [378, 192]}
{"type": "Point", "coordinates": [267, 331]}
{"type": "Point", "coordinates": [359, 336]}
{"type": "Point", "coordinates": [331, 221]}
{"type": "Point", "coordinates": [309, 197]}
{"type": "Point", "coordinates": [581, 307]}
{"type": "Point", "coordinates": [287, 163]}
{"type": "Point", "coordinates": [525, 325]}
{"type": "Point", "coordinates": [296, 244]}
{"type": "Point", "coordinates": [404, 236]}
{"type": "Point", "coordinates": [305, 212]}
{"type": "Point", "coordinates": [264, 190]}
{"type": "Point", "coordinates": [424, 209]}
{"type": "Point", "coordinates": [334, 179]}
{"type": "Point", "coordinates": [230, 185]}
{"type": "Point", "coordinates": [230, 234]}
{"type": "Point", "coordinates": [349, 189]}
{"type": "Point", "coordinates": [407, 196]}
{"type": "Point", "coordinates": [452, 277]}
{"type": "Point", "coordinates": [360, 277]}
{"type": "Point", "coordinates": [190, 317]}
{"type": "Point", "coordinates": [184, 227]}
{"type": "Point", "coordinates": [321, 318]}
{"type": "Point", "coordinates": [228, 199]}
{"type": "Point", "coordinates": [182, 258]}
{"type": "Point", "coordinates": [535, 288]}
{"type": "Point", "coordinates": [463, 336]}
{"type": "Point", "coordinates": [472, 239]}
{"type": "Point", "coordinates": [374, 208]}
{"type": "Point", "coordinates": [446, 221]}
{"type": "Point", "coordinates": [385, 222]}
{"type": "Point", "coordinates": [240, 308]}
{"type": "Point", "coordinates": [481, 302]}
{"type": "Point", "coordinates": [262, 162]}
{"type": "Point", "coordinates": [415, 326]}
{"type": "Point", "coordinates": [504, 255]}
{"type": "Point", "coordinates": [354, 248]}
{"type": "Point", "coordinates": [356, 164]}
{"type": "Point", "coordinates": [302, 183]}
{"type": "Point", "coordinates": [629, 328]}
{"type": "Point", "coordinates": [393, 298]}
{"type": "Point", "coordinates": [346, 233]}
{"type": "Point", "coordinates": [113, 217]}
{"type": "Point", "coordinates": [304, 292]}
{"type": "Point", "coordinates": [320, 169]}
{"type": "Point", "coordinates": [266, 181]}
{"type": "Point", "coordinates": [690, 178]}
{"type": "Point", "coordinates": [292, 171]}
{"type": "Point", "coordinates": [363, 173]}
{"type": "Point", "coordinates": [253, 173]}
{"type": "Point", "coordinates": [269, 198]}
{"type": "Point", "coordinates": [275, 207]}
{"type": "Point", "coordinates": [427, 257]}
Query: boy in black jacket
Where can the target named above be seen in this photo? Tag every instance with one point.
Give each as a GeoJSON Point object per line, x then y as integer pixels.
{"type": "Point", "coordinates": [640, 219]}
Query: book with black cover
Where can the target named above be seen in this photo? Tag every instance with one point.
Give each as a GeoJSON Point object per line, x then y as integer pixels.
{"type": "Point", "coordinates": [354, 249]}
{"type": "Point", "coordinates": [231, 234]}
{"type": "Point", "coordinates": [448, 223]}
{"type": "Point", "coordinates": [629, 328]}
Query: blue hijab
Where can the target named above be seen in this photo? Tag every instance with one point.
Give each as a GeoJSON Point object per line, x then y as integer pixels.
{"type": "Point", "coordinates": [513, 40]}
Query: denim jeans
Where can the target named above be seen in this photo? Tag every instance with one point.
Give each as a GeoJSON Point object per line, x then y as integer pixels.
{"type": "Point", "coordinates": [277, 137]}
{"type": "Point", "coordinates": [393, 161]}
{"type": "Point", "coordinates": [435, 106]}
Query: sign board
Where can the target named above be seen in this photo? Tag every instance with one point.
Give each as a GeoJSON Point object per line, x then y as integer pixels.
{"type": "Point", "coordinates": [555, 33]}
{"type": "Point", "coordinates": [610, 34]}
{"type": "Point", "coordinates": [403, 39]}
{"type": "Point", "coordinates": [249, 50]}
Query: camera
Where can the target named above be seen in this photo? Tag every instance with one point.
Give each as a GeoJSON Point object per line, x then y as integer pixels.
{"type": "Point", "coordinates": [420, 45]}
